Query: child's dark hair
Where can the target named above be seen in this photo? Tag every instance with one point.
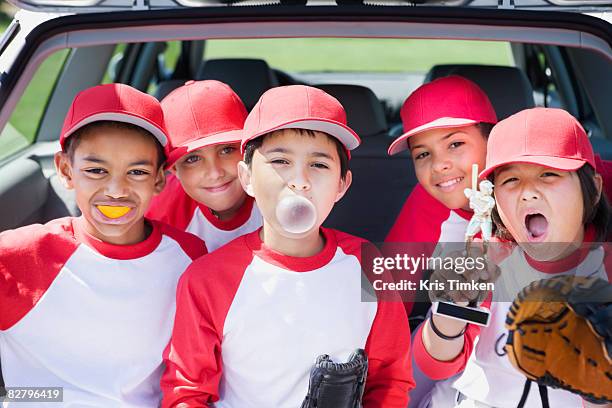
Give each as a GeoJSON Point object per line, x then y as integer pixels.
{"type": "Point", "coordinates": [255, 144]}
{"type": "Point", "coordinates": [596, 211]}
{"type": "Point", "coordinates": [73, 140]}
{"type": "Point", "coordinates": [485, 128]}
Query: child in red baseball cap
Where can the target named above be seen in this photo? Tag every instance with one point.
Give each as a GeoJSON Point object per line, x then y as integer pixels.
{"type": "Point", "coordinates": [550, 202]}
{"type": "Point", "coordinates": [203, 195]}
{"type": "Point", "coordinates": [446, 125]}
{"type": "Point", "coordinates": [87, 302]}
{"type": "Point", "coordinates": [253, 316]}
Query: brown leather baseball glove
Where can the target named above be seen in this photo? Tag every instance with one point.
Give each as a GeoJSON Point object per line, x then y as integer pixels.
{"type": "Point", "coordinates": [560, 335]}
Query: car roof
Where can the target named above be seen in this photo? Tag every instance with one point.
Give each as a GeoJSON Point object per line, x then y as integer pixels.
{"type": "Point", "coordinates": [93, 6]}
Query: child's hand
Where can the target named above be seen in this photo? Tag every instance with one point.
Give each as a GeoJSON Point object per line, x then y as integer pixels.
{"type": "Point", "coordinates": [464, 276]}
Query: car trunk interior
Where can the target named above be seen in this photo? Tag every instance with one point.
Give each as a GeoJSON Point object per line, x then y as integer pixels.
{"type": "Point", "coordinates": [555, 59]}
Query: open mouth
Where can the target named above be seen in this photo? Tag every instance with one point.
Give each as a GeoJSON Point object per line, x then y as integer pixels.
{"type": "Point", "coordinates": [537, 227]}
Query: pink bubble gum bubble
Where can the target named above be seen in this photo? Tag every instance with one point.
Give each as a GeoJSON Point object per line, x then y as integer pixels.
{"type": "Point", "coordinates": [296, 214]}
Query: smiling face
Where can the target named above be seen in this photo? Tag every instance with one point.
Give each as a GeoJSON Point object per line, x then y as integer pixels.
{"type": "Point", "coordinates": [539, 205]}
{"type": "Point", "coordinates": [113, 187]}
{"type": "Point", "coordinates": [290, 162]}
{"type": "Point", "coordinates": [443, 161]}
{"type": "Point", "coordinates": [209, 175]}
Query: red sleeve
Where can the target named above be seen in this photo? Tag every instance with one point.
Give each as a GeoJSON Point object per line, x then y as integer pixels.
{"type": "Point", "coordinates": [30, 259]}
{"type": "Point", "coordinates": [387, 347]}
{"type": "Point", "coordinates": [204, 296]}
{"type": "Point", "coordinates": [193, 356]}
{"type": "Point", "coordinates": [193, 246]}
{"type": "Point", "coordinates": [172, 206]}
{"type": "Point", "coordinates": [440, 370]}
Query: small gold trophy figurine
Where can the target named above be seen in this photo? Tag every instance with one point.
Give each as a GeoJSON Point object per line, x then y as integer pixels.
{"type": "Point", "coordinates": [482, 203]}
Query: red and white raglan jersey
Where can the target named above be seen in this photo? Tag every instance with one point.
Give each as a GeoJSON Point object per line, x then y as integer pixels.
{"type": "Point", "coordinates": [174, 207]}
{"type": "Point", "coordinates": [488, 376]}
{"type": "Point", "coordinates": [88, 316]}
{"type": "Point", "coordinates": [250, 323]}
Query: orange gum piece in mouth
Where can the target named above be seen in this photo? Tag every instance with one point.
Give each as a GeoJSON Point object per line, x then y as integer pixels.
{"type": "Point", "coordinates": [112, 211]}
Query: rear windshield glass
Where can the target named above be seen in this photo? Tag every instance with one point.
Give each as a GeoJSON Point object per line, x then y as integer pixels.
{"type": "Point", "coordinates": [361, 54]}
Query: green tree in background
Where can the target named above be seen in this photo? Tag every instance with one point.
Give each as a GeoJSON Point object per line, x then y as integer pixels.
{"type": "Point", "coordinates": [7, 11]}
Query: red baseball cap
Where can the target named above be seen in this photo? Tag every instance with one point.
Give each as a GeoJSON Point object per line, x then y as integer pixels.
{"type": "Point", "coordinates": [545, 136]}
{"type": "Point", "coordinates": [119, 103]}
{"type": "Point", "coordinates": [299, 107]}
{"type": "Point", "coordinates": [447, 102]}
{"type": "Point", "coordinates": [202, 113]}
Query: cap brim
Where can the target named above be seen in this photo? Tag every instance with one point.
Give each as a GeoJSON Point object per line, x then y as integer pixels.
{"type": "Point", "coordinates": [139, 121]}
{"type": "Point", "coordinates": [229, 137]}
{"type": "Point", "coordinates": [343, 133]}
{"type": "Point", "coordinates": [556, 163]}
{"type": "Point", "coordinates": [400, 143]}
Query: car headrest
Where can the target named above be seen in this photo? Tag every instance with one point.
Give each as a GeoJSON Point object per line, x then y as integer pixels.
{"type": "Point", "coordinates": [364, 112]}
{"type": "Point", "coordinates": [508, 88]}
{"type": "Point", "coordinates": [165, 87]}
{"type": "Point", "coordinates": [249, 78]}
